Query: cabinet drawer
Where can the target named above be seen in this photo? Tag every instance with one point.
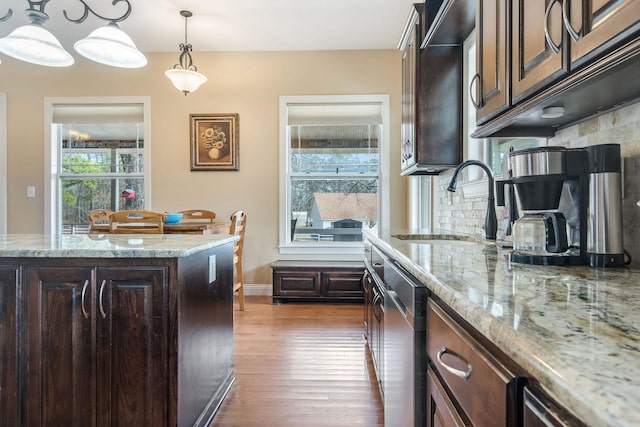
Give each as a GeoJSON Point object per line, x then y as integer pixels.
{"type": "Point", "coordinates": [483, 387]}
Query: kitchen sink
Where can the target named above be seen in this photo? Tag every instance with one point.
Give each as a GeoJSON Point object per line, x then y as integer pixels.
{"type": "Point", "coordinates": [433, 239]}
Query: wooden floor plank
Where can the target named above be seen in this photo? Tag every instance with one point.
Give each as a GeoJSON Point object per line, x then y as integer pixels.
{"type": "Point", "coordinates": [301, 365]}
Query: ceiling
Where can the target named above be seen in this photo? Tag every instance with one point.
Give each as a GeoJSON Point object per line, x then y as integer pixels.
{"type": "Point", "coordinates": [232, 25]}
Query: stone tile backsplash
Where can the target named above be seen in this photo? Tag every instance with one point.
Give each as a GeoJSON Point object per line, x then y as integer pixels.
{"type": "Point", "coordinates": [622, 126]}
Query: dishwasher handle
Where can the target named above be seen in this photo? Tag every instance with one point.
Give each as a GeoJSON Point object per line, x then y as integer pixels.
{"type": "Point", "coordinates": [393, 297]}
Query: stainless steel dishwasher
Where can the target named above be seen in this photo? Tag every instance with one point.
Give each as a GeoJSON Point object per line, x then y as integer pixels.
{"type": "Point", "coordinates": [405, 358]}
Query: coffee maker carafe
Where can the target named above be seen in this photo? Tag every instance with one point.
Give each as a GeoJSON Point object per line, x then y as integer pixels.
{"type": "Point", "coordinates": [571, 205]}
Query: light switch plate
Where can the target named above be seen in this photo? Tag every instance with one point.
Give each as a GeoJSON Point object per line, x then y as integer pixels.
{"type": "Point", "coordinates": [31, 191]}
{"type": "Point", "coordinates": [212, 268]}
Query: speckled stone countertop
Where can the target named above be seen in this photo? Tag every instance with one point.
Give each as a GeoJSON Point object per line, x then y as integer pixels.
{"type": "Point", "coordinates": [575, 329]}
{"type": "Point", "coordinates": [109, 245]}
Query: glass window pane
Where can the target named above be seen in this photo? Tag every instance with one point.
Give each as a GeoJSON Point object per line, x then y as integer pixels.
{"type": "Point", "coordinates": [334, 210]}
{"type": "Point", "coordinates": [82, 195]}
{"type": "Point", "coordinates": [351, 149]}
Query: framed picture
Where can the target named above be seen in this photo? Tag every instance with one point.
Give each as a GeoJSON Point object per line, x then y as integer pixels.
{"type": "Point", "coordinates": [214, 142]}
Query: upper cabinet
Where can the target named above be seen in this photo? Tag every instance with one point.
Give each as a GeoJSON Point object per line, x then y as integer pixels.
{"type": "Point", "coordinates": [431, 46]}
{"type": "Point", "coordinates": [581, 55]}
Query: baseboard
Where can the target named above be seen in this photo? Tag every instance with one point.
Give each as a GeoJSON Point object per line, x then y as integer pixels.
{"type": "Point", "coordinates": [258, 289]}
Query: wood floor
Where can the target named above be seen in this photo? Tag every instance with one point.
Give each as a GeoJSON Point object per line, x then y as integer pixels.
{"type": "Point", "coordinates": [301, 365]}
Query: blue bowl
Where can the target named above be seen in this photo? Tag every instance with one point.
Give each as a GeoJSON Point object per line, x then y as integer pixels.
{"type": "Point", "coordinates": [173, 218]}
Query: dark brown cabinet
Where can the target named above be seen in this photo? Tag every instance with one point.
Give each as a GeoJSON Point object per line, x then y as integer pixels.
{"type": "Point", "coordinates": [582, 56]}
{"type": "Point", "coordinates": [481, 385]}
{"type": "Point", "coordinates": [101, 340]}
{"type": "Point", "coordinates": [539, 45]}
{"type": "Point", "coordinates": [491, 84]}
{"type": "Point", "coordinates": [441, 411]}
{"type": "Point", "coordinates": [9, 336]}
{"type": "Point", "coordinates": [595, 27]}
{"type": "Point", "coordinates": [317, 280]}
{"type": "Point", "coordinates": [431, 94]}
{"type": "Point", "coordinates": [539, 411]}
{"type": "Point", "coordinates": [116, 341]}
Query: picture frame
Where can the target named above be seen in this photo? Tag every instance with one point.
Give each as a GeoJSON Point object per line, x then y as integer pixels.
{"type": "Point", "coordinates": [215, 142]}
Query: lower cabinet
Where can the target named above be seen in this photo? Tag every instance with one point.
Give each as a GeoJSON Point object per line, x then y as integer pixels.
{"type": "Point", "coordinates": [115, 342]}
{"type": "Point", "coordinates": [94, 349]}
{"type": "Point", "coordinates": [539, 411]}
{"type": "Point", "coordinates": [9, 350]}
{"type": "Point", "coordinates": [440, 409]}
{"type": "Point", "coordinates": [480, 383]}
{"type": "Point", "coordinates": [317, 280]}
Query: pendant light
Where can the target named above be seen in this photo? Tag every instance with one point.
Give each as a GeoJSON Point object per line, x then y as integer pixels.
{"type": "Point", "coordinates": [108, 45]}
{"type": "Point", "coordinates": [184, 75]}
{"type": "Point", "coordinates": [33, 43]}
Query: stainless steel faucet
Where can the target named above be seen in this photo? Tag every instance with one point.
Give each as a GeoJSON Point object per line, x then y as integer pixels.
{"type": "Point", "coordinates": [490, 221]}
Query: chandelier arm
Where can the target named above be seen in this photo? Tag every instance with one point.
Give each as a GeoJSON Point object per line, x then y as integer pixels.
{"type": "Point", "coordinates": [88, 9]}
{"type": "Point", "coordinates": [7, 16]}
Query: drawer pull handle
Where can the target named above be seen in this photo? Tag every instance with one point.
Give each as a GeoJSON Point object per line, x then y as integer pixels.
{"type": "Point", "coordinates": [100, 302]}
{"type": "Point", "coordinates": [84, 295]}
{"type": "Point", "coordinates": [457, 372]}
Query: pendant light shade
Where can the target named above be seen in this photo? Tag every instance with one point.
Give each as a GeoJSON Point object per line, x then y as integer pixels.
{"type": "Point", "coordinates": [186, 81]}
{"type": "Point", "coordinates": [32, 43]}
{"type": "Point", "coordinates": [110, 45]}
{"type": "Point", "coordinates": [184, 75]}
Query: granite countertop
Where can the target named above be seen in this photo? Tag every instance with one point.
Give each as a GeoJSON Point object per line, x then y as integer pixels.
{"type": "Point", "coordinates": [576, 330]}
{"type": "Point", "coordinates": [109, 245]}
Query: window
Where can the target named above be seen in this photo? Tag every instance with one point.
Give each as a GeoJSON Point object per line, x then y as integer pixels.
{"type": "Point", "coordinates": [332, 153]}
{"type": "Point", "coordinates": [3, 163]}
{"type": "Point", "coordinates": [98, 153]}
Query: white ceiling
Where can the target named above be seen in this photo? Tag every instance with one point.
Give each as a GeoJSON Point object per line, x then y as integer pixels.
{"type": "Point", "coordinates": [232, 25]}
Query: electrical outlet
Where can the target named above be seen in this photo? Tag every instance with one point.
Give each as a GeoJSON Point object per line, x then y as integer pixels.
{"type": "Point", "coordinates": [31, 191]}
{"type": "Point", "coordinates": [212, 268]}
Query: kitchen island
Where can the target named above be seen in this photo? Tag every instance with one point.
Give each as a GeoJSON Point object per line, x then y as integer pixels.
{"type": "Point", "coordinates": [572, 333]}
{"type": "Point", "coordinates": [115, 329]}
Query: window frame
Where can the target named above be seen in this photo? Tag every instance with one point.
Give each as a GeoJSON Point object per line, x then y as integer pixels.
{"type": "Point", "coordinates": [285, 245]}
{"type": "Point", "coordinates": [3, 163]}
{"type": "Point", "coordinates": [52, 205]}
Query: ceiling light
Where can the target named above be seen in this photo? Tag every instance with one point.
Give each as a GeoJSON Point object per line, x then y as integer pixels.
{"type": "Point", "coordinates": [184, 75]}
{"type": "Point", "coordinates": [552, 112]}
{"type": "Point", "coordinates": [110, 45]}
{"type": "Point", "coordinates": [32, 43]}
{"type": "Point", "coordinates": [107, 45]}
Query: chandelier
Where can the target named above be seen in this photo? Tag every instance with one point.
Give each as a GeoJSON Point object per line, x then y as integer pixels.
{"type": "Point", "coordinates": [107, 45]}
{"type": "Point", "coordinates": [184, 75]}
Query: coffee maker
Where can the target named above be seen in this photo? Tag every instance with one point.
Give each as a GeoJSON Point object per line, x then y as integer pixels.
{"type": "Point", "coordinates": [570, 202]}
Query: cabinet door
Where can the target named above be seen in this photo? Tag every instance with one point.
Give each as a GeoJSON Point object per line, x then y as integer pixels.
{"type": "Point", "coordinates": [409, 64]}
{"type": "Point", "coordinates": [296, 283]}
{"type": "Point", "coordinates": [9, 396]}
{"type": "Point", "coordinates": [59, 347]}
{"type": "Point", "coordinates": [535, 63]}
{"type": "Point", "coordinates": [342, 284]}
{"type": "Point", "coordinates": [132, 335]}
{"type": "Point", "coordinates": [596, 26]}
{"type": "Point", "coordinates": [492, 59]}
{"type": "Point", "coordinates": [440, 410]}
{"type": "Point", "coordinates": [368, 297]}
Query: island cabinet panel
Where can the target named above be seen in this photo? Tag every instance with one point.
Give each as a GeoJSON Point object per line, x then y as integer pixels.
{"type": "Point", "coordinates": [60, 386]}
{"type": "Point", "coordinates": [116, 341]}
{"type": "Point", "coordinates": [440, 409]}
{"type": "Point", "coordinates": [9, 396]}
{"type": "Point", "coordinates": [131, 338]}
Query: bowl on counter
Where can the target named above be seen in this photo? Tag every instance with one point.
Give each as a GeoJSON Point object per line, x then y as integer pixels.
{"type": "Point", "coordinates": [173, 218]}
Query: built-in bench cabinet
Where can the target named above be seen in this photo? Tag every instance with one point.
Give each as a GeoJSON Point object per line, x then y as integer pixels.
{"type": "Point", "coordinates": [318, 281]}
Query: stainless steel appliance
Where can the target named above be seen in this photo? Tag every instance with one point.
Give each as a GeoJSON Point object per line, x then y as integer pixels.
{"type": "Point", "coordinates": [571, 200]}
{"type": "Point", "coordinates": [405, 360]}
